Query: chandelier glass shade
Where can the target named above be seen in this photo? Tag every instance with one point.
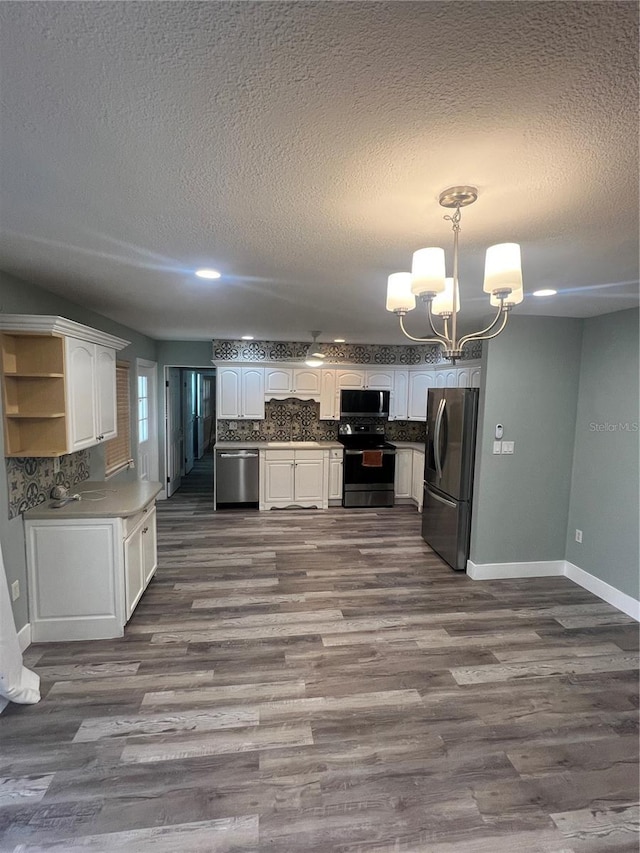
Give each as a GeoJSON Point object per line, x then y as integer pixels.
{"type": "Point", "coordinates": [428, 282]}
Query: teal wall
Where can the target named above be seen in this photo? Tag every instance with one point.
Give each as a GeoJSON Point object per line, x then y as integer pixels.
{"type": "Point", "coordinates": [530, 386]}
{"type": "Point", "coordinates": [20, 297]}
{"type": "Point", "coordinates": [604, 486]}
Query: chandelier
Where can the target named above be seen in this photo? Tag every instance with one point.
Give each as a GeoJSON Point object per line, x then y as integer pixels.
{"type": "Point", "coordinates": [427, 280]}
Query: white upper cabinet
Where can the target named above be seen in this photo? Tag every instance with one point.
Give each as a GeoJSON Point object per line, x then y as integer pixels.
{"type": "Point", "coordinates": [474, 377]}
{"type": "Point", "coordinates": [91, 393]}
{"type": "Point", "coordinates": [59, 385]}
{"type": "Point", "coordinates": [240, 393]}
{"type": "Point", "coordinates": [373, 379]}
{"type": "Point", "coordinates": [277, 380]}
{"type": "Point", "coordinates": [329, 407]}
{"type": "Point", "coordinates": [280, 381]}
{"type": "Point", "coordinates": [379, 380]}
{"type": "Point", "coordinates": [106, 401]}
{"type": "Point", "coordinates": [399, 396]}
{"type": "Point", "coordinates": [349, 379]}
{"type": "Point", "coordinates": [419, 383]}
{"type": "Point", "coordinates": [307, 381]}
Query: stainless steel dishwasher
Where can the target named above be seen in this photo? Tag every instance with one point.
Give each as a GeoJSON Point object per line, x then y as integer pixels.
{"type": "Point", "coordinates": [237, 476]}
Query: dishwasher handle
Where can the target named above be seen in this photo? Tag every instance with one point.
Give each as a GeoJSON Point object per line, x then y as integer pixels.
{"type": "Point", "coordinates": [241, 454]}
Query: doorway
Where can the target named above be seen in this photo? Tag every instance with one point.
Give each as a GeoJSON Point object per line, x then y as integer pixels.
{"type": "Point", "coordinates": [190, 423]}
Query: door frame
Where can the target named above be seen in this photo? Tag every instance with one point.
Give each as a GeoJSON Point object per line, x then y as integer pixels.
{"type": "Point", "coordinates": [150, 368]}
{"type": "Point", "coordinates": [209, 369]}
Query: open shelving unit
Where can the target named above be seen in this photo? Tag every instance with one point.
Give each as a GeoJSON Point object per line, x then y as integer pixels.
{"type": "Point", "coordinates": [33, 394]}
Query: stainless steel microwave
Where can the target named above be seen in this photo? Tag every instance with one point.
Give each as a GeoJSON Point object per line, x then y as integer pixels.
{"type": "Point", "coordinates": [368, 404]}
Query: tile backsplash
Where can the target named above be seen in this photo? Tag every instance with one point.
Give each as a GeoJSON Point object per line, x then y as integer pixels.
{"type": "Point", "coordinates": [30, 480]}
{"type": "Point", "coordinates": [299, 420]}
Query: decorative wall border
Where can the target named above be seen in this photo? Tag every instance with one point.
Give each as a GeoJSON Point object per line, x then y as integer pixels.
{"type": "Point", "coordinates": [374, 354]}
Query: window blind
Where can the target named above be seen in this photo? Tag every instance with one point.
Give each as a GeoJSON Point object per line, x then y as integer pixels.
{"type": "Point", "coordinates": [118, 449]}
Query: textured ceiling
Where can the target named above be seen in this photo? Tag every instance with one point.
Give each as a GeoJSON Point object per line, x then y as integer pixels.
{"type": "Point", "coordinates": [300, 148]}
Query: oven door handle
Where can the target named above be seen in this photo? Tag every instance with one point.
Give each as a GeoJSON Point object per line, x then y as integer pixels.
{"type": "Point", "coordinates": [360, 452]}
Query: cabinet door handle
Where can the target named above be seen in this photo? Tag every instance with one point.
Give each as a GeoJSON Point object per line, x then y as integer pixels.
{"type": "Point", "coordinates": [145, 529]}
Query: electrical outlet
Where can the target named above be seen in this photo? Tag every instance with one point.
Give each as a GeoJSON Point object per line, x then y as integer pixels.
{"type": "Point", "coordinates": [497, 447]}
{"type": "Point", "coordinates": [508, 446]}
{"type": "Point", "coordinates": [15, 590]}
{"type": "Point", "coordinates": [233, 427]}
{"type": "Point", "coordinates": [56, 464]}
{"type": "Point", "coordinates": [579, 536]}
{"type": "Point", "coordinates": [256, 426]}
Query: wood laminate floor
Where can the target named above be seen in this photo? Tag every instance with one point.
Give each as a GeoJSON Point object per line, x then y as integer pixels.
{"type": "Point", "coordinates": [320, 682]}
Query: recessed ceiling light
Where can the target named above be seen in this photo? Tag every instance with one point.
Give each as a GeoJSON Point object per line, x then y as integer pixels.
{"type": "Point", "coordinates": [338, 340]}
{"type": "Point", "coordinates": [247, 338]}
{"type": "Point", "coordinates": [547, 292]}
{"type": "Point", "coordinates": [208, 273]}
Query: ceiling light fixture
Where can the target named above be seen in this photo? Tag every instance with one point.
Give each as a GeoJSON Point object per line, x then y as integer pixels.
{"type": "Point", "coordinates": [502, 280]}
{"type": "Point", "coordinates": [314, 356]}
{"type": "Point", "coordinates": [545, 292]}
{"type": "Point", "coordinates": [206, 273]}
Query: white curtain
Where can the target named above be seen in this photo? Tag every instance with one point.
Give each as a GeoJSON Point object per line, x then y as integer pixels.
{"type": "Point", "coordinates": [17, 683]}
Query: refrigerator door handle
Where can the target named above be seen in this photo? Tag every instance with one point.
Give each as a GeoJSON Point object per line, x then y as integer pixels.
{"type": "Point", "coordinates": [436, 437]}
{"type": "Point", "coordinates": [452, 504]}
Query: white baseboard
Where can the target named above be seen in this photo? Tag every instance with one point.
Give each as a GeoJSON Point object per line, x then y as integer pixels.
{"type": "Point", "coordinates": [557, 568]}
{"type": "Point", "coordinates": [603, 590]}
{"type": "Point", "coordinates": [502, 571]}
{"type": "Point", "coordinates": [24, 637]}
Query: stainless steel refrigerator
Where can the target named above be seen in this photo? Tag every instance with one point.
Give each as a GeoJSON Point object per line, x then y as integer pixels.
{"type": "Point", "coordinates": [452, 415]}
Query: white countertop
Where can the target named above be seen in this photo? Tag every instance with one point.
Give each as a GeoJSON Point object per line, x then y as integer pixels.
{"type": "Point", "coordinates": [100, 500]}
{"type": "Point", "coordinates": [408, 445]}
{"type": "Point", "coordinates": [277, 445]}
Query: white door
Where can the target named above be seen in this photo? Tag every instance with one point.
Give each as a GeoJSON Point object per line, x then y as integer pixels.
{"type": "Point", "coordinates": [404, 472]}
{"type": "Point", "coordinates": [174, 431]}
{"type": "Point", "coordinates": [189, 417]}
{"type": "Point", "coordinates": [147, 417]}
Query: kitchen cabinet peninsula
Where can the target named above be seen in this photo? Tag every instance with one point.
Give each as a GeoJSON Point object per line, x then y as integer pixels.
{"type": "Point", "coordinates": [89, 561]}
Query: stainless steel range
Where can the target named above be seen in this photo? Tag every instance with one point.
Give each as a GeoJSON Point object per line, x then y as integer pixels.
{"type": "Point", "coordinates": [369, 465]}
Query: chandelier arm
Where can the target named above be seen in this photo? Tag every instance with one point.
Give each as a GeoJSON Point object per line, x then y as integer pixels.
{"type": "Point", "coordinates": [479, 335]}
{"type": "Point", "coordinates": [482, 337]}
{"type": "Point", "coordinates": [438, 340]}
{"type": "Point", "coordinates": [442, 337]}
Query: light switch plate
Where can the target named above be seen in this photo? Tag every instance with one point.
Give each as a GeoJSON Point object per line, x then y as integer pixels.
{"type": "Point", "coordinates": [508, 447]}
{"type": "Point", "coordinates": [233, 427]}
{"type": "Point", "coordinates": [497, 447]}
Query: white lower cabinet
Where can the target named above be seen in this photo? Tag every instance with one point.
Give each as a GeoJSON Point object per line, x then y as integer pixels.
{"type": "Point", "coordinates": [140, 559]}
{"type": "Point", "coordinates": [86, 575]}
{"type": "Point", "coordinates": [335, 475]}
{"type": "Point", "coordinates": [404, 472]}
{"type": "Point", "coordinates": [417, 478]}
{"type": "Point", "coordinates": [299, 477]}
